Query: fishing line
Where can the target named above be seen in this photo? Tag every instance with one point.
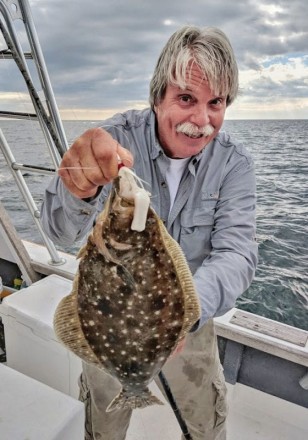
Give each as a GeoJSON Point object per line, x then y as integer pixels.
{"type": "Point", "coordinates": [102, 126]}
{"type": "Point", "coordinates": [141, 181]}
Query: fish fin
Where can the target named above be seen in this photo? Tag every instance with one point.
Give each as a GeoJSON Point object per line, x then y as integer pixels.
{"type": "Point", "coordinates": [122, 401]}
{"type": "Point", "coordinates": [192, 308]}
{"type": "Point", "coordinates": [82, 252]}
{"type": "Point", "coordinates": [68, 329]}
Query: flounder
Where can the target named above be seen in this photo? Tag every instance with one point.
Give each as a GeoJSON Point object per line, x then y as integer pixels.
{"type": "Point", "coordinates": [133, 298]}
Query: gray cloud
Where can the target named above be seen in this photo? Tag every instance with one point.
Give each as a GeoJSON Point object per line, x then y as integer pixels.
{"type": "Point", "coordinates": [102, 54]}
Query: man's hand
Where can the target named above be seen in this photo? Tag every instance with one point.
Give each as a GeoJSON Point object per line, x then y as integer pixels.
{"type": "Point", "coordinates": [91, 162]}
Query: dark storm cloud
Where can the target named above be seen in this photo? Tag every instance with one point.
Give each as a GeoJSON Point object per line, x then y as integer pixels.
{"type": "Point", "coordinates": [102, 53]}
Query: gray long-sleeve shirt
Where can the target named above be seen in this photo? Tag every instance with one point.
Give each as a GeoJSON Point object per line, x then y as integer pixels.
{"type": "Point", "coordinates": [212, 218]}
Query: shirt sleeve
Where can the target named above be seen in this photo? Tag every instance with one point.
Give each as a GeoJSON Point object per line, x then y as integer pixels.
{"type": "Point", "coordinates": [229, 269]}
{"type": "Point", "coordinates": [66, 218]}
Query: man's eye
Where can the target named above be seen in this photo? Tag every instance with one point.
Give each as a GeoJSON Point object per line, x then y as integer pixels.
{"type": "Point", "coordinates": [217, 101]}
{"type": "Point", "coordinates": [186, 98]}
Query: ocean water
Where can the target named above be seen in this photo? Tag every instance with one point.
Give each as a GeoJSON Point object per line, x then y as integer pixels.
{"type": "Point", "coordinates": [280, 150]}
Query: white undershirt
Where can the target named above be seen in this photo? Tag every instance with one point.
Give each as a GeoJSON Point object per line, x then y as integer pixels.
{"type": "Point", "coordinates": [173, 176]}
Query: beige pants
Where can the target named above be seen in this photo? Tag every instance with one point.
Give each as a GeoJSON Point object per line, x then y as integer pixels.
{"type": "Point", "coordinates": [196, 381]}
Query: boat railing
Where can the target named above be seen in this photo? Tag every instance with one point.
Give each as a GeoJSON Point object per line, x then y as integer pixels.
{"type": "Point", "coordinates": [46, 113]}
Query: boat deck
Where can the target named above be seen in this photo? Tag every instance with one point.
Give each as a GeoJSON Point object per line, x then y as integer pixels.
{"type": "Point", "coordinates": [253, 415]}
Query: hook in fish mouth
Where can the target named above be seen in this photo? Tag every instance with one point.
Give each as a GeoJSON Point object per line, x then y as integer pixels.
{"type": "Point", "coordinates": [126, 187]}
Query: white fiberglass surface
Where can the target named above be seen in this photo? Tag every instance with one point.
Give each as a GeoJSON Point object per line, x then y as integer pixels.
{"type": "Point", "coordinates": [254, 415]}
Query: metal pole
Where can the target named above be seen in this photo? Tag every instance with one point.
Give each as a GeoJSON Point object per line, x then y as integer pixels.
{"type": "Point", "coordinates": [42, 71]}
{"type": "Point", "coordinates": [10, 160]}
{"type": "Point", "coordinates": [47, 126]}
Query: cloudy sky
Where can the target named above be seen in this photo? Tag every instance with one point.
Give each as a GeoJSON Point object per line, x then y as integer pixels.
{"type": "Point", "coordinates": [101, 53]}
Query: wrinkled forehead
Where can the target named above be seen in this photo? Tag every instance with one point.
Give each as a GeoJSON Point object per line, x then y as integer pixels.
{"type": "Point", "coordinates": [194, 77]}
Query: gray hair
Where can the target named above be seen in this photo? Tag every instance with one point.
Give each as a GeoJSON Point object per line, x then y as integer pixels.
{"type": "Point", "coordinates": [210, 49]}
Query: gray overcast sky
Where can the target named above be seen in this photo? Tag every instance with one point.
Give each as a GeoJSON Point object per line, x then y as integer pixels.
{"type": "Point", "coordinates": [101, 53]}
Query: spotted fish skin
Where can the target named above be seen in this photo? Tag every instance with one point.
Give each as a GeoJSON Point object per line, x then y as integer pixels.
{"type": "Point", "coordinates": [133, 300]}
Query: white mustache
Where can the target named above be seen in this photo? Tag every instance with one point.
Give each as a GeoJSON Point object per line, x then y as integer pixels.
{"type": "Point", "coordinates": [193, 130]}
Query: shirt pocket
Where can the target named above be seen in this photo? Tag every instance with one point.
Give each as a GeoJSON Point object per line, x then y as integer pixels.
{"type": "Point", "coordinates": [196, 230]}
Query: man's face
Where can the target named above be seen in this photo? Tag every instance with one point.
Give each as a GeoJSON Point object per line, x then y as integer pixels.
{"type": "Point", "coordinates": [195, 105]}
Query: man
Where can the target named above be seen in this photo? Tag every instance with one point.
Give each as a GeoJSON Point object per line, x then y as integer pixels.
{"type": "Point", "coordinates": [203, 188]}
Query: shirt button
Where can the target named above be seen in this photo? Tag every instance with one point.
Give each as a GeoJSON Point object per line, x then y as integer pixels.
{"type": "Point", "coordinates": [85, 211]}
{"type": "Point", "coordinates": [164, 184]}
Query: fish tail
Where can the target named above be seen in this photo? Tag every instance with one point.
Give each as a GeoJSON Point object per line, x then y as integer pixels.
{"type": "Point", "coordinates": [125, 401]}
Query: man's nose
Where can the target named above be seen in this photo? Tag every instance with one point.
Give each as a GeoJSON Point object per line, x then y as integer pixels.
{"type": "Point", "coordinates": [200, 115]}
